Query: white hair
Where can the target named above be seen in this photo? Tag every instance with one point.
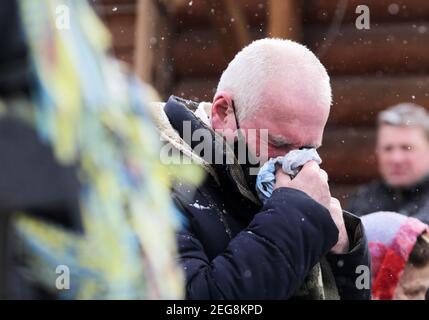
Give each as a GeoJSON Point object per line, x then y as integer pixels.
{"type": "Point", "coordinates": [267, 67]}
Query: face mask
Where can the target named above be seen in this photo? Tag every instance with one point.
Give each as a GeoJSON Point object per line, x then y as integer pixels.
{"type": "Point", "coordinates": [251, 163]}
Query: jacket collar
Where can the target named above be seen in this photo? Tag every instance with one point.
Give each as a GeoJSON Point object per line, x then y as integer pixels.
{"type": "Point", "coordinates": [229, 176]}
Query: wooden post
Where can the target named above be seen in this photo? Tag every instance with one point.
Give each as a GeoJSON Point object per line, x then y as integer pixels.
{"type": "Point", "coordinates": [242, 35]}
{"type": "Point", "coordinates": [146, 25]}
{"type": "Point", "coordinates": [230, 25]}
{"type": "Point", "coordinates": [284, 19]}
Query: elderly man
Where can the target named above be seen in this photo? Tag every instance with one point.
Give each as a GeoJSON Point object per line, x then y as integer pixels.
{"type": "Point", "coordinates": [402, 152]}
{"type": "Point", "coordinates": [232, 246]}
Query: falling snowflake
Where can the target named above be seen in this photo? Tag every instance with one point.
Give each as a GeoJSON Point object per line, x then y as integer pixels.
{"type": "Point", "coordinates": [199, 206]}
{"type": "Point", "coordinates": [393, 9]}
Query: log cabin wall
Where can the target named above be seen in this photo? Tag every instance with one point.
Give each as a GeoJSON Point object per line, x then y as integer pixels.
{"type": "Point", "coordinates": [120, 17]}
{"type": "Point", "coordinates": [370, 69]}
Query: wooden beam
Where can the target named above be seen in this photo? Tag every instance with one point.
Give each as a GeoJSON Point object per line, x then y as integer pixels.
{"type": "Point", "coordinates": [348, 154]}
{"type": "Point", "coordinates": [203, 52]}
{"type": "Point", "coordinates": [152, 42]}
{"type": "Point", "coordinates": [146, 25]}
{"type": "Point", "coordinates": [199, 89]}
{"type": "Point", "coordinates": [314, 11]}
{"type": "Point", "coordinates": [238, 22]}
{"type": "Point", "coordinates": [122, 26]}
{"type": "Point", "coordinates": [323, 11]}
{"type": "Point", "coordinates": [359, 99]}
{"type": "Point", "coordinates": [230, 26]}
{"type": "Point", "coordinates": [200, 12]}
{"type": "Point", "coordinates": [384, 50]}
{"type": "Point", "coordinates": [284, 19]}
{"type": "Point", "coordinates": [387, 48]}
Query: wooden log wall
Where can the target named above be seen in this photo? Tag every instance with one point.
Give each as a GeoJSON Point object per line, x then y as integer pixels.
{"type": "Point", "coordinates": [370, 69]}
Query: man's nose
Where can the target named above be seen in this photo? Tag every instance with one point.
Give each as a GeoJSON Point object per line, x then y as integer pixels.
{"type": "Point", "coordinates": [397, 156]}
{"type": "Point", "coordinates": [279, 152]}
{"type": "Point", "coordinates": [275, 154]}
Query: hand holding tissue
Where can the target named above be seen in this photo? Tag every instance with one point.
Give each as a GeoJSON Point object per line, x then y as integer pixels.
{"type": "Point", "coordinates": [291, 164]}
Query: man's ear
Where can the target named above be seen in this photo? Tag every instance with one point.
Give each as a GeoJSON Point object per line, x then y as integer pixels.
{"type": "Point", "coordinates": [221, 111]}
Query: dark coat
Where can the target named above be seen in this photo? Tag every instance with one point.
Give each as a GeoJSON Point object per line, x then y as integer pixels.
{"type": "Point", "coordinates": [233, 248]}
{"type": "Point", "coordinates": [378, 196]}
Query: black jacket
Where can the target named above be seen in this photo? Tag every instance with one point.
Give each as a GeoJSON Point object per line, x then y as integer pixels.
{"type": "Point", "coordinates": [378, 196]}
{"type": "Point", "coordinates": [232, 248]}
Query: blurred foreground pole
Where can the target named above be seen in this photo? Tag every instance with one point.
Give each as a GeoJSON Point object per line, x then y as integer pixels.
{"type": "Point", "coordinates": [284, 20]}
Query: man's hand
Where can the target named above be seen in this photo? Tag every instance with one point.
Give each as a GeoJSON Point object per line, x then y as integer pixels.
{"type": "Point", "coordinates": [342, 245]}
{"type": "Point", "coordinates": [311, 179]}
{"type": "Point", "coordinates": [314, 182]}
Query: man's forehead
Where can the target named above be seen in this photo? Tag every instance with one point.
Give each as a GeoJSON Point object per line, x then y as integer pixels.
{"type": "Point", "coordinates": [400, 134]}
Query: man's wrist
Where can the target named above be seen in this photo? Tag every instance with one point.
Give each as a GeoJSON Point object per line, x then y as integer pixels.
{"type": "Point", "coordinates": [343, 244]}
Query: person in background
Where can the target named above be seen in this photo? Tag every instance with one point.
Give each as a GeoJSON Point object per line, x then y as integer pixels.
{"type": "Point", "coordinates": [399, 249]}
{"type": "Point", "coordinates": [85, 210]}
{"type": "Point", "coordinates": [402, 151]}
